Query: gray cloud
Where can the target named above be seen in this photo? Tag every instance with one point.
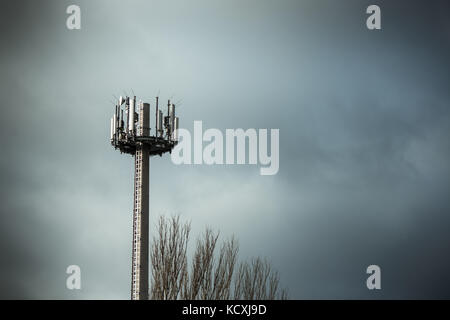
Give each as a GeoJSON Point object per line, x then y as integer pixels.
{"type": "Point", "coordinates": [364, 126]}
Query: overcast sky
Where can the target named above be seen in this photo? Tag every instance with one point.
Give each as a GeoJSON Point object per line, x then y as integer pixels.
{"type": "Point", "coordinates": [364, 125]}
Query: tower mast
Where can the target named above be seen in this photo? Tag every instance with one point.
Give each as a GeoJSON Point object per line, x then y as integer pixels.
{"type": "Point", "coordinates": [136, 139]}
{"type": "Point", "coordinates": [139, 268]}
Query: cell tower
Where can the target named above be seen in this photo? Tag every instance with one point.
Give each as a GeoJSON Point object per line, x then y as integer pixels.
{"type": "Point", "coordinates": [132, 135]}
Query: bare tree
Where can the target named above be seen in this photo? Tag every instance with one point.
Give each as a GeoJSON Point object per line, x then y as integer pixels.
{"type": "Point", "coordinates": [212, 274]}
{"type": "Point", "coordinates": [255, 280]}
{"type": "Point", "coordinates": [168, 259]}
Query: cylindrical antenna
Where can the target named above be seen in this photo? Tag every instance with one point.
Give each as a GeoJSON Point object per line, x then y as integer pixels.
{"type": "Point", "coordinates": [175, 129]}
{"type": "Point", "coordinates": [112, 129]}
{"type": "Point", "coordinates": [167, 120]}
{"type": "Point", "coordinates": [160, 119]}
{"type": "Point", "coordinates": [145, 121]}
{"type": "Point", "coordinates": [127, 114]}
{"type": "Point", "coordinates": [116, 121]}
{"type": "Point", "coordinates": [131, 115]}
{"type": "Point", "coordinates": [156, 117]}
{"type": "Point", "coordinates": [115, 128]}
{"type": "Point", "coordinates": [172, 118]}
{"type": "Point", "coordinates": [160, 123]}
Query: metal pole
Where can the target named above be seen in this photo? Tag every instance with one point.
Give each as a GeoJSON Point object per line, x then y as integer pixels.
{"type": "Point", "coordinates": [133, 137]}
{"type": "Point", "coordinates": [139, 276]}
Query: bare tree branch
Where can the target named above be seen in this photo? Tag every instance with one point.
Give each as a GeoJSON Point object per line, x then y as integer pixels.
{"type": "Point", "coordinates": [212, 275]}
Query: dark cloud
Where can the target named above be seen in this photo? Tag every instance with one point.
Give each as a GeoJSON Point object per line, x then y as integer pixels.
{"type": "Point", "coordinates": [364, 126]}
